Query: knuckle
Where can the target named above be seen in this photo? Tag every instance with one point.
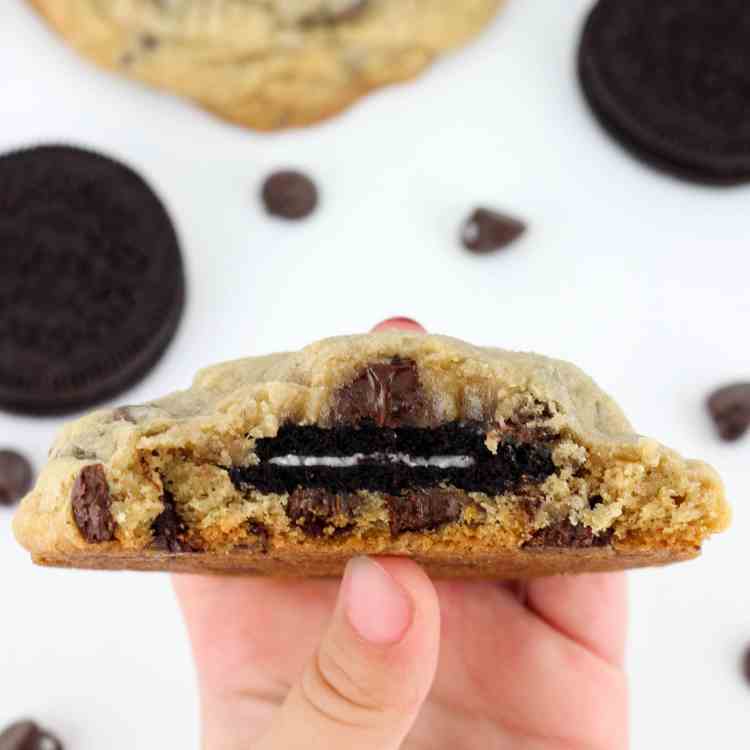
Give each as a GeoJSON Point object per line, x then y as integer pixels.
{"type": "Point", "coordinates": [346, 693]}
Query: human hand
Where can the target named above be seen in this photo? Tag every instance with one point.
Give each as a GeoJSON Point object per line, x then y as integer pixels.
{"type": "Point", "coordinates": [395, 661]}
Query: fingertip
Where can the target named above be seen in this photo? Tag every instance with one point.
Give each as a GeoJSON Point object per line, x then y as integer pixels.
{"type": "Point", "coordinates": [590, 609]}
{"type": "Point", "coordinates": [378, 607]}
{"type": "Point", "coordinates": [401, 324]}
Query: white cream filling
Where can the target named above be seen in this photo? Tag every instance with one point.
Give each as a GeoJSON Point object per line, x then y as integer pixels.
{"type": "Point", "coordinates": [435, 462]}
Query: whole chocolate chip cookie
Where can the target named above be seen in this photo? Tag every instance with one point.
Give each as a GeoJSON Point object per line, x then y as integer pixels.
{"type": "Point", "coordinates": [671, 80]}
{"type": "Point", "coordinates": [474, 461]}
{"type": "Point", "coordinates": [271, 64]}
{"type": "Point", "coordinates": [91, 279]}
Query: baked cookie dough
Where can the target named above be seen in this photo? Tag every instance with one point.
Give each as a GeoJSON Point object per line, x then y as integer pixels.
{"type": "Point", "coordinates": [268, 64]}
{"type": "Point", "coordinates": [474, 461]}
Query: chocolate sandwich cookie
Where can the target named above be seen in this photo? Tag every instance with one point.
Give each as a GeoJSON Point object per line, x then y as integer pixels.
{"type": "Point", "coordinates": [91, 279]}
{"type": "Point", "coordinates": [270, 64]}
{"type": "Point", "coordinates": [476, 462]}
{"type": "Point", "coordinates": [671, 80]}
{"type": "Point", "coordinates": [28, 735]}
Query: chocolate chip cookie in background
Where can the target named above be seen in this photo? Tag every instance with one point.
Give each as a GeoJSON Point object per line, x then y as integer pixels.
{"type": "Point", "coordinates": [91, 279]}
{"type": "Point", "coordinates": [27, 735]}
{"type": "Point", "coordinates": [671, 81]}
{"type": "Point", "coordinates": [16, 477]}
{"type": "Point", "coordinates": [283, 62]}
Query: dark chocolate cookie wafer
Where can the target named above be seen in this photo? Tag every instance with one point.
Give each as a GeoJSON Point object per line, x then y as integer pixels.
{"type": "Point", "coordinates": [671, 80]}
{"type": "Point", "coordinates": [91, 279]}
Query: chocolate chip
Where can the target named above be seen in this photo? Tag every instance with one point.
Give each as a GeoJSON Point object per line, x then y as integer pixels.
{"type": "Point", "coordinates": [595, 501]}
{"type": "Point", "coordinates": [746, 664]}
{"type": "Point", "coordinates": [168, 529]}
{"type": "Point", "coordinates": [420, 511]}
{"type": "Point", "coordinates": [92, 505]}
{"type": "Point", "coordinates": [261, 532]}
{"type": "Point", "coordinates": [316, 510]}
{"type": "Point", "coordinates": [565, 534]}
{"type": "Point", "coordinates": [149, 41]}
{"type": "Point", "coordinates": [290, 195]}
{"type": "Point", "coordinates": [389, 393]}
{"type": "Point", "coordinates": [730, 409]}
{"type": "Point", "coordinates": [26, 735]}
{"type": "Point", "coordinates": [486, 230]}
{"type": "Point", "coordinates": [16, 477]}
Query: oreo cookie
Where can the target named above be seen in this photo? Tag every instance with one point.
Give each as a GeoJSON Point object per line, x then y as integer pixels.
{"type": "Point", "coordinates": [91, 279]}
{"type": "Point", "coordinates": [671, 80]}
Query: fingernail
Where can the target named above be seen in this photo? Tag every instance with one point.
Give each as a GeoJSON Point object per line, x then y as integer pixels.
{"type": "Point", "coordinates": [377, 607]}
{"type": "Point", "coordinates": [401, 323]}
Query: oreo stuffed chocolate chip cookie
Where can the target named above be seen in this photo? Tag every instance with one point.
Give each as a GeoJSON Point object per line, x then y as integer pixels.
{"type": "Point", "coordinates": [477, 462]}
{"type": "Point", "coordinates": [271, 64]}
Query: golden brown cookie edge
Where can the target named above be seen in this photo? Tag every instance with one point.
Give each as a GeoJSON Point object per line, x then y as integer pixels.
{"type": "Point", "coordinates": [291, 563]}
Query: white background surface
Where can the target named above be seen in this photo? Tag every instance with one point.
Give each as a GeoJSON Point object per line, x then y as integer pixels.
{"type": "Point", "coordinates": [638, 278]}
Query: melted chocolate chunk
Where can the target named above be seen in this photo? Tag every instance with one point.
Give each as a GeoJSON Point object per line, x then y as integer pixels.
{"type": "Point", "coordinates": [314, 510]}
{"type": "Point", "coordinates": [730, 409]}
{"type": "Point", "coordinates": [16, 477]}
{"type": "Point", "coordinates": [92, 505]}
{"type": "Point", "coordinates": [420, 511]}
{"type": "Point", "coordinates": [486, 230]}
{"type": "Point", "coordinates": [26, 735]}
{"type": "Point", "coordinates": [168, 529]}
{"type": "Point", "coordinates": [387, 393]}
{"type": "Point", "coordinates": [565, 534]}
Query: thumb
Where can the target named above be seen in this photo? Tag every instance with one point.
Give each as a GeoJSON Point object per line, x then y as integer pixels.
{"type": "Point", "coordinates": [374, 667]}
